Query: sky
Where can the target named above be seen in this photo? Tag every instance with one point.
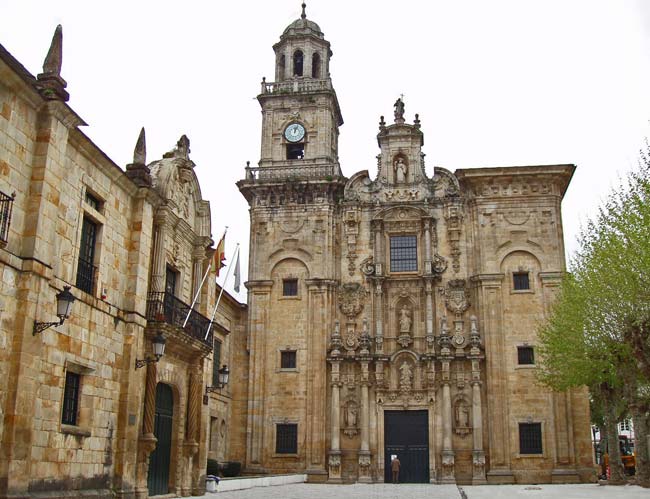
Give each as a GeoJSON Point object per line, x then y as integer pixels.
{"type": "Point", "coordinates": [496, 83]}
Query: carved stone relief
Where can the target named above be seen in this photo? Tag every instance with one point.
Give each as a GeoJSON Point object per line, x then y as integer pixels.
{"type": "Point", "coordinates": [456, 299]}
{"type": "Point", "coordinates": [350, 416]}
{"type": "Point", "coordinates": [352, 297]}
{"type": "Point", "coordinates": [462, 419]}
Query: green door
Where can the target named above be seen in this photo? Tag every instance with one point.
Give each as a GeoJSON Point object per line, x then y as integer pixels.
{"type": "Point", "coordinates": [158, 478]}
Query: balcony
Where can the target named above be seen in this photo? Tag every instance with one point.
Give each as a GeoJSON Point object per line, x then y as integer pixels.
{"type": "Point", "coordinates": [6, 205]}
{"type": "Point", "coordinates": [165, 308]}
{"type": "Point", "coordinates": [296, 86]}
{"type": "Point", "coordinates": [292, 171]}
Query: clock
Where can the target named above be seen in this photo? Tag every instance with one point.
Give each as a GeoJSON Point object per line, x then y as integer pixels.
{"type": "Point", "coordinates": [294, 132]}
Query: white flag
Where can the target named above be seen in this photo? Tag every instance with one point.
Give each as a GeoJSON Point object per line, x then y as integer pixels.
{"type": "Point", "coordinates": [237, 274]}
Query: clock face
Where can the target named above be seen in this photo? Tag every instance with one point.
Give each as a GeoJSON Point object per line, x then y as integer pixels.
{"type": "Point", "coordinates": [294, 132]}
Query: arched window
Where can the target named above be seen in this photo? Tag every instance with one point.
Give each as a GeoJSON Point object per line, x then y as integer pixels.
{"type": "Point", "coordinates": [281, 67]}
{"type": "Point", "coordinates": [297, 63]}
{"type": "Point", "coordinates": [315, 65]}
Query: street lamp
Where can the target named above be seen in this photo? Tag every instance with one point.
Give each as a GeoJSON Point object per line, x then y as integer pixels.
{"type": "Point", "coordinates": [158, 351]}
{"type": "Point", "coordinates": [224, 375]}
{"type": "Point", "coordinates": [64, 301]}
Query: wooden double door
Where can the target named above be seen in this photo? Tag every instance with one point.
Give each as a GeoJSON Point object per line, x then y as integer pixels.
{"type": "Point", "coordinates": [406, 435]}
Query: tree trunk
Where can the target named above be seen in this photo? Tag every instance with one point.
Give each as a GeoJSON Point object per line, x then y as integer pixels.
{"type": "Point", "coordinates": [640, 420]}
{"type": "Point", "coordinates": [617, 476]}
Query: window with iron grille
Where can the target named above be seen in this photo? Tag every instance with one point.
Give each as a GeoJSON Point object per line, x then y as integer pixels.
{"type": "Point", "coordinates": [286, 439]}
{"type": "Point", "coordinates": [216, 361]}
{"type": "Point", "coordinates": [530, 438]}
{"type": "Point", "coordinates": [6, 205]}
{"type": "Point", "coordinates": [290, 287]}
{"type": "Point", "coordinates": [85, 267]}
{"type": "Point", "coordinates": [403, 254]}
{"type": "Point", "coordinates": [288, 359]}
{"type": "Point", "coordinates": [93, 201]}
{"type": "Point", "coordinates": [520, 281]}
{"type": "Point", "coordinates": [525, 356]}
{"type": "Point", "coordinates": [171, 276]}
{"type": "Point", "coordinates": [71, 398]}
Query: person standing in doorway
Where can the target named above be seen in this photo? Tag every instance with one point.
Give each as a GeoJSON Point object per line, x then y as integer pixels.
{"type": "Point", "coordinates": [395, 466]}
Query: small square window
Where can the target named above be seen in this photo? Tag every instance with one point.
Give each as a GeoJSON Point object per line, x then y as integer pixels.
{"type": "Point", "coordinates": [403, 254]}
{"type": "Point", "coordinates": [71, 398]}
{"type": "Point", "coordinates": [93, 201]}
{"type": "Point", "coordinates": [520, 281]}
{"type": "Point", "coordinates": [530, 438]}
{"type": "Point", "coordinates": [525, 356]}
{"type": "Point", "coordinates": [295, 151]}
{"type": "Point", "coordinates": [288, 359]}
{"type": "Point", "coordinates": [290, 287]}
{"type": "Point", "coordinates": [286, 439]}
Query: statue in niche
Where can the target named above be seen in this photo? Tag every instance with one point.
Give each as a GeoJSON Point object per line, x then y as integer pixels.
{"type": "Point", "coordinates": [406, 375]}
{"type": "Point", "coordinates": [462, 416]}
{"type": "Point", "coordinates": [401, 171]}
{"type": "Point", "coordinates": [405, 320]}
{"type": "Point", "coordinates": [351, 415]}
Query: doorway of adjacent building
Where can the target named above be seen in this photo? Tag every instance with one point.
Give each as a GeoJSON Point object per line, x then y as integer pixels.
{"type": "Point", "coordinates": [158, 478]}
{"type": "Point", "coordinates": [406, 434]}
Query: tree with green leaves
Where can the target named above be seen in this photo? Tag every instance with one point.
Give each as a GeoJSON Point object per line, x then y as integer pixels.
{"type": "Point", "coordinates": [597, 334]}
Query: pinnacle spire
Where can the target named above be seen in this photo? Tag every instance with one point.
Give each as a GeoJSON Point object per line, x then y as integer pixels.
{"type": "Point", "coordinates": [140, 152]}
{"type": "Point", "coordinates": [303, 15]}
{"type": "Point", "coordinates": [54, 57]}
{"type": "Point", "coordinates": [50, 84]}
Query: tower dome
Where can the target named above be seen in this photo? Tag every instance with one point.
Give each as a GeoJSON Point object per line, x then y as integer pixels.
{"type": "Point", "coordinates": [302, 27]}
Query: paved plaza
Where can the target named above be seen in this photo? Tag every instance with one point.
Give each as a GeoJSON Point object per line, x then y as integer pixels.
{"type": "Point", "coordinates": [424, 491]}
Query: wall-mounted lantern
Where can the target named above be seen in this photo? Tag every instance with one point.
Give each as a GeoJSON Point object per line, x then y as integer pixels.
{"type": "Point", "coordinates": [158, 351]}
{"type": "Point", "coordinates": [224, 375]}
{"type": "Point", "coordinates": [64, 301]}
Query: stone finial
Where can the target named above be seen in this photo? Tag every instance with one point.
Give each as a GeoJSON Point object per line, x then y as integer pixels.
{"type": "Point", "coordinates": [416, 121]}
{"type": "Point", "coordinates": [49, 83]}
{"type": "Point", "coordinates": [182, 149]}
{"type": "Point", "coordinates": [138, 171]}
{"type": "Point", "coordinates": [303, 15]}
{"type": "Point", "coordinates": [140, 152]}
{"type": "Point", "coordinates": [54, 57]}
{"type": "Point", "coordinates": [399, 110]}
{"type": "Point", "coordinates": [382, 123]}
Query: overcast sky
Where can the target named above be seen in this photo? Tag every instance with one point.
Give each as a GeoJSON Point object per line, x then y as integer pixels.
{"type": "Point", "coordinates": [496, 83]}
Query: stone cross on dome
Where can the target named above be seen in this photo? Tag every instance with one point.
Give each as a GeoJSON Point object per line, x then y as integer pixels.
{"type": "Point", "coordinates": [303, 15]}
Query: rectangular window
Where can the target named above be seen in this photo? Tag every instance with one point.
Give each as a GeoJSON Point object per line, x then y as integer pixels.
{"type": "Point", "coordinates": [530, 438]}
{"type": "Point", "coordinates": [86, 269]}
{"type": "Point", "coordinates": [290, 287]}
{"type": "Point", "coordinates": [6, 205]}
{"type": "Point", "coordinates": [520, 281]}
{"type": "Point", "coordinates": [286, 439]}
{"type": "Point", "coordinates": [295, 151]}
{"type": "Point", "coordinates": [71, 398]}
{"type": "Point", "coordinates": [216, 362]}
{"type": "Point", "coordinates": [403, 254]}
{"type": "Point", "coordinates": [93, 201]}
{"type": "Point", "coordinates": [170, 281]}
{"type": "Point", "coordinates": [525, 356]}
{"type": "Point", "coordinates": [288, 359]}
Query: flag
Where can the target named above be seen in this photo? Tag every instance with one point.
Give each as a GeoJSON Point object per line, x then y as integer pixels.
{"type": "Point", "coordinates": [237, 274]}
{"type": "Point", "coordinates": [218, 262]}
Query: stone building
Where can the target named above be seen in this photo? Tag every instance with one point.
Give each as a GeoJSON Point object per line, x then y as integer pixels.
{"type": "Point", "coordinates": [394, 312]}
{"type": "Point", "coordinates": [85, 408]}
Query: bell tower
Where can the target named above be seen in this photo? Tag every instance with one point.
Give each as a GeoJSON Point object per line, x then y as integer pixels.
{"type": "Point", "coordinates": [294, 194]}
{"type": "Point", "coordinates": [300, 110]}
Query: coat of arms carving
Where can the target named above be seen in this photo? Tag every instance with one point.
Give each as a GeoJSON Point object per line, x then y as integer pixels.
{"type": "Point", "coordinates": [352, 297]}
{"type": "Point", "coordinates": [456, 296]}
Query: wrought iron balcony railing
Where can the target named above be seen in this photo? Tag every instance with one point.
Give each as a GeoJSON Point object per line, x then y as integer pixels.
{"type": "Point", "coordinates": [165, 307]}
{"type": "Point", "coordinates": [6, 205]}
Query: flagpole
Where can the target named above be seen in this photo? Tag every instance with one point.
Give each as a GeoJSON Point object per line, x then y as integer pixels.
{"type": "Point", "coordinates": [214, 312]}
{"type": "Point", "coordinates": [205, 276]}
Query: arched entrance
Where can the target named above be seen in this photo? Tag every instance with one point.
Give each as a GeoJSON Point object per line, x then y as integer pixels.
{"type": "Point", "coordinates": [406, 434]}
{"type": "Point", "coordinates": [158, 478]}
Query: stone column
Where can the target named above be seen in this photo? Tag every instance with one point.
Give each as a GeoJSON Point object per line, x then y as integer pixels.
{"type": "Point", "coordinates": [147, 441]}
{"type": "Point", "coordinates": [364, 452]}
{"type": "Point", "coordinates": [379, 253]}
{"type": "Point", "coordinates": [478, 455]}
{"type": "Point", "coordinates": [159, 260]}
{"type": "Point", "coordinates": [334, 462]}
{"type": "Point", "coordinates": [447, 472]}
{"type": "Point", "coordinates": [379, 310]}
{"type": "Point", "coordinates": [191, 444]}
{"type": "Point", "coordinates": [428, 258]}
{"type": "Point", "coordinates": [428, 290]}
{"type": "Point", "coordinates": [198, 257]}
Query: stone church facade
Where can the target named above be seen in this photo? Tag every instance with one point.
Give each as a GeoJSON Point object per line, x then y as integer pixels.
{"type": "Point", "coordinates": [84, 409]}
{"type": "Point", "coordinates": [393, 312]}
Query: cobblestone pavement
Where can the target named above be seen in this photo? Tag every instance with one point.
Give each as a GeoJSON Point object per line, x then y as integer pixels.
{"type": "Point", "coordinates": [422, 491]}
